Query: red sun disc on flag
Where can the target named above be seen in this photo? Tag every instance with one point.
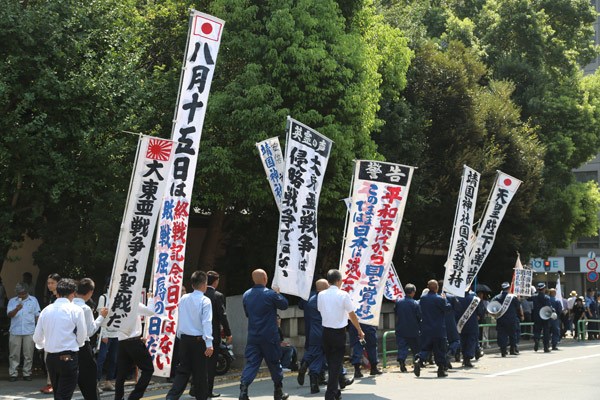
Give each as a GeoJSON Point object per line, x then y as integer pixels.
{"type": "Point", "coordinates": [206, 28]}
{"type": "Point", "coordinates": [159, 149]}
{"type": "Point", "coordinates": [507, 182]}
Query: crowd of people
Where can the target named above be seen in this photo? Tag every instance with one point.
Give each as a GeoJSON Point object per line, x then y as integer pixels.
{"type": "Point", "coordinates": [438, 328]}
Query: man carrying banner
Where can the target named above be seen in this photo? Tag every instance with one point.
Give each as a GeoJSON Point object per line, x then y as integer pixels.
{"type": "Point", "coordinates": [336, 309]}
{"type": "Point", "coordinates": [261, 305]}
{"type": "Point", "coordinates": [132, 352]}
{"type": "Point", "coordinates": [452, 334]}
{"type": "Point", "coordinates": [507, 320]}
{"type": "Point", "coordinates": [433, 329]}
{"type": "Point", "coordinates": [408, 326]}
{"type": "Point", "coordinates": [314, 355]}
{"type": "Point", "coordinates": [468, 327]}
{"type": "Point", "coordinates": [357, 349]}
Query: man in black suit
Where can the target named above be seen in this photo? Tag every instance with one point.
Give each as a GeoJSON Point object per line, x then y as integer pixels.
{"type": "Point", "coordinates": [219, 319]}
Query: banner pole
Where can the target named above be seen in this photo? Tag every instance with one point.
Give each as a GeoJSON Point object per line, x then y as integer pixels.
{"type": "Point", "coordinates": [121, 228]}
{"type": "Point", "coordinates": [356, 162]}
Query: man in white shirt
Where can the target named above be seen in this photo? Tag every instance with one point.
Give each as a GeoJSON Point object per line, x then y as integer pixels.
{"type": "Point", "coordinates": [132, 352]}
{"type": "Point", "coordinates": [23, 311]}
{"type": "Point", "coordinates": [195, 339]}
{"type": "Point", "coordinates": [336, 308]}
{"type": "Point", "coordinates": [87, 363]}
{"type": "Point", "coordinates": [61, 331]}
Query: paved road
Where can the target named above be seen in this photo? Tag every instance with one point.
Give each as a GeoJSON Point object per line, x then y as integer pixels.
{"type": "Point", "coordinates": [571, 373]}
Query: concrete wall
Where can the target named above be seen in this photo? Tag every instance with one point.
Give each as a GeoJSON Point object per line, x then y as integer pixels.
{"type": "Point", "coordinates": [19, 260]}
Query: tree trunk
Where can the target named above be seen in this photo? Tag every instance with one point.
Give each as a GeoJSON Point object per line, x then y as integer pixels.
{"type": "Point", "coordinates": [213, 241]}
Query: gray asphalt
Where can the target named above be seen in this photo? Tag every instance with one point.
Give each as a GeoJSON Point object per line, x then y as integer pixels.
{"type": "Point", "coordinates": [573, 372]}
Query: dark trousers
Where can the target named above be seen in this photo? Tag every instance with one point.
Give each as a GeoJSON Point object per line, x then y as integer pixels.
{"type": "Point", "coordinates": [192, 361]}
{"type": "Point", "coordinates": [87, 373]}
{"type": "Point", "coordinates": [63, 369]}
{"type": "Point", "coordinates": [438, 345]}
{"type": "Point", "coordinates": [212, 364]}
{"type": "Point", "coordinates": [270, 351]}
{"type": "Point", "coordinates": [370, 346]}
{"type": "Point", "coordinates": [108, 354]}
{"type": "Point", "coordinates": [506, 335]}
{"type": "Point", "coordinates": [541, 327]}
{"type": "Point", "coordinates": [133, 352]}
{"type": "Point", "coordinates": [334, 344]}
{"type": "Point", "coordinates": [404, 343]}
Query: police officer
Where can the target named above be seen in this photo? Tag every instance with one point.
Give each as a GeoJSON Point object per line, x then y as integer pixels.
{"type": "Point", "coordinates": [555, 323]}
{"type": "Point", "coordinates": [469, 333]}
{"type": "Point", "coordinates": [314, 357]}
{"type": "Point", "coordinates": [506, 323]}
{"type": "Point", "coordinates": [433, 329]}
{"type": "Point", "coordinates": [357, 349]}
{"type": "Point", "coordinates": [408, 325]}
{"type": "Point", "coordinates": [261, 305]}
{"type": "Point", "coordinates": [540, 326]}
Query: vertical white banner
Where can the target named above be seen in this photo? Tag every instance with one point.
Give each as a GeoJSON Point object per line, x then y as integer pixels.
{"type": "Point", "coordinates": [502, 193]}
{"type": "Point", "coordinates": [203, 43]}
{"type": "Point", "coordinates": [462, 232]}
{"type": "Point", "coordinates": [393, 287]}
{"type": "Point", "coordinates": [154, 160]}
{"type": "Point", "coordinates": [379, 196]}
{"type": "Point", "coordinates": [307, 154]}
{"type": "Point", "coordinates": [272, 159]}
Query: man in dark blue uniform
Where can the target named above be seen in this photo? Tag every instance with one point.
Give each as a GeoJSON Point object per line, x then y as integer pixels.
{"type": "Point", "coordinates": [555, 323]}
{"type": "Point", "coordinates": [540, 325]}
{"type": "Point", "coordinates": [452, 334]}
{"type": "Point", "coordinates": [433, 329]}
{"type": "Point", "coordinates": [357, 349]}
{"type": "Point", "coordinates": [469, 333]}
{"type": "Point", "coordinates": [506, 323]}
{"type": "Point", "coordinates": [408, 325]}
{"type": "Point", "coordinates": [261, 305]}
{"type": "Point", "coordinates": [314, 356]}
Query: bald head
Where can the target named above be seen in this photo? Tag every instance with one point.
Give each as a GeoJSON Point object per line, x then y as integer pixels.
{"type": "Point", "coordinates": [321, 285]}
{"type": "Point", "coordinates": [433, 286]}
{"type": "Point", "coordinates": [259, 277]}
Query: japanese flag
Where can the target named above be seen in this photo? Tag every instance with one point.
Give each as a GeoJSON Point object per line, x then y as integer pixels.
{"type": "Point", "coordinates": [508, 182]}
{"type": "Point", "coordinates": [208, 27]}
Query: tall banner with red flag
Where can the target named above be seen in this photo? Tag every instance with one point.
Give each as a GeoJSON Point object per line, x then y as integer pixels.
{"type": "Point", "coordinates": [152, 166]}
{"type": "Point", "coordinates": [379, 196]}
{"type": "Point", "coordinates": [502, 193]}
{"type": "Point", "coordinates": [204, 38]}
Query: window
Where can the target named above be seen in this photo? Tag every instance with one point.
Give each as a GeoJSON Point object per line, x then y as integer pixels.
{"type": "Point", "coordinates": [585, 176]}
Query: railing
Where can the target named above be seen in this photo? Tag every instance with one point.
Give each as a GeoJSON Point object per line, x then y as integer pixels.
{"type": "Point", "coordinates": [387, 352]}
{"type": "Point", "coordinates": [582, 327]}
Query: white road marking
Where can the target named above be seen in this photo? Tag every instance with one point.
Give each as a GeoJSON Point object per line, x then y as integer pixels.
{"type": "Point", "coordinates": [512, 371]}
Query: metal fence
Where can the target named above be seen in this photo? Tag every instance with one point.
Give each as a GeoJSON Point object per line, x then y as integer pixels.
{"type": "Point", "coordinates": [583, 329]}
{"type": "Point", "coordinates": [388, 352]}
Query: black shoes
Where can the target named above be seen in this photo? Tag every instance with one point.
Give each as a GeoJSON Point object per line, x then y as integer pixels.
{"type": "Point", "coordinates": [403, 367]}
{"type": "Point", "coordinates": [278, 393]}
{"type": "Point", "coordinates": [441, 373]}
{"type": "Point", "coordinates": [467, 363]}
{"type": "Point", "coordinates": [536, 345]}
{"type": "Point", "coordinates": [302, 372]}
{"type": "Point", "coordinates": [314, 383]}
{"type": "Point", "coordinates": [244, 392]}
{"type": "Point", "coordinates": [357, 372]}
{"type": "Point", "coordinates": [214, 395]}
{"type": "Point", "coordinates": [375, 370]}
{"type": "Point", "coordinates": [418, 365]}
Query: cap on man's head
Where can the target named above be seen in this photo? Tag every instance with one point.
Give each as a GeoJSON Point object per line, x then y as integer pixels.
{"type": "Point", "coordinates": [541, 286]}
{"type": "Point", "coordinates": [505, 285]}
{"type": "Point", "coordinates": [573, 293]}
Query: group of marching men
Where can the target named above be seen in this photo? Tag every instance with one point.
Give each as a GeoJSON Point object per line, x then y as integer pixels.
{"type": "Point", "coordinates": [438, 325]}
